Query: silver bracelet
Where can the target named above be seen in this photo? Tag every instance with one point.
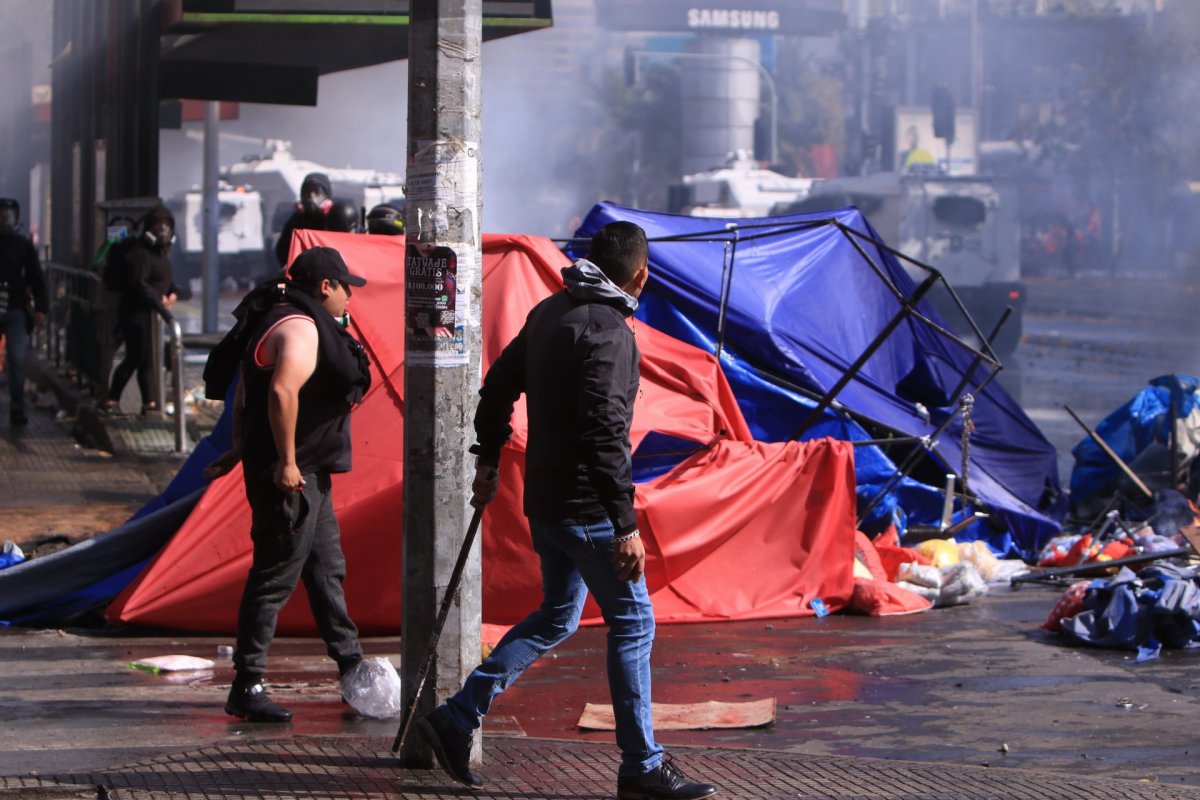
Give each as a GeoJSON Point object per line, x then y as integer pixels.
{"type": "Point", "coordinates": [627, 537]}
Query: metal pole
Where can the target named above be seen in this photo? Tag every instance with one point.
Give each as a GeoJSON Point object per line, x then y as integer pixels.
{"type": "Point", "coordinates": [177, 382]}
{"type": "Point", "coordinates": [210, 270]}
{"type": "Point", "coordinates": [852, 371]}
{"type": "Point", "coordinates": [726, 286]}
{"type": "Point", "coordinates": [442, 344]}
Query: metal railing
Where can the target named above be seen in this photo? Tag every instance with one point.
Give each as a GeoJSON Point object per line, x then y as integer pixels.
{"type": "Point", "coordinates": [176, 332]}
{"type": "Point", "coordinates": [79, 335]}
{"type": "Point", "coordinates": [80, 339]}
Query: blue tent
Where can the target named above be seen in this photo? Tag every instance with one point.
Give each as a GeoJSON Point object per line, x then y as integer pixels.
{"type": "Point", "coordinates": [1143, 421]}
{"type": "Point", "coordinates": [804, 297]}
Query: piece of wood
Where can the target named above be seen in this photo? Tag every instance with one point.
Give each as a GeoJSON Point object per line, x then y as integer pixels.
{"type": "Point", "coordinates": [1103, 445]}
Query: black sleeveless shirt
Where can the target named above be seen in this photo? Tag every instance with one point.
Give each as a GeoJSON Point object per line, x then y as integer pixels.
{"type": "Point", "coordinates": [323, 419]}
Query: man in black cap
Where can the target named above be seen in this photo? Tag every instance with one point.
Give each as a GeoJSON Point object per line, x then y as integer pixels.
{"type": "Point", "coordinates": [23, 303]}
{"type": "Point", "coordinates": [301, 373]}
{"type": "Point", "coordinates": [312, 212]}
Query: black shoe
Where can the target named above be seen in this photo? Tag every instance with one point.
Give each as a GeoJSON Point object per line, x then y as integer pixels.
{"type": "Point", "coordinates": [18, 419]}
{"type": "Point", "coordinates": [451, 747]}
{"type": "Point", "coordinates": [252, 703]}
{"type": "Point", "coordinates": [665, 782]}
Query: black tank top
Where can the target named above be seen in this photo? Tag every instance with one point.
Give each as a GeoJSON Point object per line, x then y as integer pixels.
{"type": "Point", "coordinates": [323, 420]}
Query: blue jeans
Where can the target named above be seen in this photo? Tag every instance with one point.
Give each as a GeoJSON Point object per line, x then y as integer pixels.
{"type": "Point", "coordinates": [16, 337]}
{"type": "Point", "coordinates": [576, 559]}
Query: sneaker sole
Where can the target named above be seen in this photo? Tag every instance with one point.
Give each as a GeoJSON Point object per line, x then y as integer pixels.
{"type": "Point", "coordinates": [635, 794]}
{"type": "Point", "coordinates": [439, 752]}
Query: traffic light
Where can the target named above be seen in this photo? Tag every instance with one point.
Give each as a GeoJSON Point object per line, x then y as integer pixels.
{"type": "Point", "coordinates": [943, 113]}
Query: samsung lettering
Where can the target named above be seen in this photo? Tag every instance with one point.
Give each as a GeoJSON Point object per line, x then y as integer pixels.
{"type": "Point", "coordinates": [733, 19]}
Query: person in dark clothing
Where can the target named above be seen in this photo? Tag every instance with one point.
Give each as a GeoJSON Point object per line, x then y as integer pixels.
{"type": "Point", "coordinates": [345, 217]}
{"type": "Point", "coordinates": [312, 212]}
{"type": "Point", "coordinates": [23, 304]}
{"type": "Point", "coordinates": [149, 290]}
{"type": "Point", "coordinates": [576, 362]}
{"type": "Point", "coordinates": [300, 375]}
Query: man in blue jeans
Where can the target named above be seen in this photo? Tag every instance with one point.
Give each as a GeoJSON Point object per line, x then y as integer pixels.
{"type": "Point", "coordinates": [23, 304]}
{"type": "Point", "coordinates": [576, 362]}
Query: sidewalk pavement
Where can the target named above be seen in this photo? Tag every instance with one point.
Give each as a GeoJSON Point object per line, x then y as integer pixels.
{"type": "Point", "coordinates": [966, 702]}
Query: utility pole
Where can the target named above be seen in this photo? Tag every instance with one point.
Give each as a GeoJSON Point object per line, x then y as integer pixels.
{"type": "Point", "coordinates": [442, 342]}
{"type": "Point", "coordinates": [210, 273]}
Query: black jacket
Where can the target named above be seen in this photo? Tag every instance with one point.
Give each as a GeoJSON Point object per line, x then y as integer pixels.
{"type": "Point", "coordinates": [22, 275]}
{"type": "Point", "coordinates": [299, 220]}
{"type": "Point", "coordinates": [576, 361]}
{"type": "Point", "coordinates": [148, 278]}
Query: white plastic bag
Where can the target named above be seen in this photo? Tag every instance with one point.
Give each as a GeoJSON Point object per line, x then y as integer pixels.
{"type": "Point", "coordinates": [960, 583]}
{"type": "Point", "coordinates": [372, 689]}
{"type": "Point", "coordinates": [920, 574]}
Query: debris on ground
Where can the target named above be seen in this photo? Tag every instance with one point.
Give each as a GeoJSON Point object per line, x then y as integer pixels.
{"type": "Point", "coordinates": [171, 663]}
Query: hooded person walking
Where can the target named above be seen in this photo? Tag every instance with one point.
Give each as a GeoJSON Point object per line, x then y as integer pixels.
{"type": "Point", "coordinates": [147, 288]}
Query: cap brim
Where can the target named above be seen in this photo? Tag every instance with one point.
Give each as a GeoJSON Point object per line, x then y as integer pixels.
{"type": "Point", "coordinates": [355, 280]}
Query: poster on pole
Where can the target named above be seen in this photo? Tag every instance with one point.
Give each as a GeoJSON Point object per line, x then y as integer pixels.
{"type": "Point", "coordinates": [437, 280]}
{"type": "Point", "coordinates": [441, 255]}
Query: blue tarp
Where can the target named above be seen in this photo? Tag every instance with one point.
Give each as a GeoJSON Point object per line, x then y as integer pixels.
{"type": "Point", "coordinates": [803, 305]}
{"type": "Point", "coordinates": [55, 589]}
{"type": "Point", "coordinates": [1144, 420]}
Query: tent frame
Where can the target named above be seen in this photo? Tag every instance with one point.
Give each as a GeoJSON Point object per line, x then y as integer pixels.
{"type": "Point", "coordinates": [732, 234]}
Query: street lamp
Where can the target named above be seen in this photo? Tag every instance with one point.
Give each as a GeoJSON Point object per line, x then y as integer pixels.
{"type": "Point", "coordinates": [774, 94]}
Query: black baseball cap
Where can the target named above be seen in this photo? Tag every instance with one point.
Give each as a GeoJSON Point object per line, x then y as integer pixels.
{"type": "Point", "coordinates": [323, 263]}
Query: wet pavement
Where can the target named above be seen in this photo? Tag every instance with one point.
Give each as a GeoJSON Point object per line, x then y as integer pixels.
{"type": "Point", "coordinates": [966, 702]}
{"type": "Point", "coordinates": [972, 701]}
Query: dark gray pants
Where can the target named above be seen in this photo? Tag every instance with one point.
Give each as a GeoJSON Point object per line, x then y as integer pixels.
{"type": "Point", "coordinates": [296, 537]}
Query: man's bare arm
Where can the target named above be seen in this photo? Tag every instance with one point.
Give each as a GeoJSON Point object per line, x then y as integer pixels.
{"type": "Point", "coordinates": [292, 348]}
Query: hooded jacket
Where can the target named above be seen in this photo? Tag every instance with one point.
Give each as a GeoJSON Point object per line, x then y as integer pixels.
{"type": "Point", "coordinates": [576, 361]}
{"type": "Point", "coordinates": [302, 220]}
{"type": "Point", "coordinates": [146, 269]}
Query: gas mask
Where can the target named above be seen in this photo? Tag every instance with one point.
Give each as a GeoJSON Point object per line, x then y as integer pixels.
{"type": "Point", "coordinates": [314, 202]}
{"type": "Point", "coordinates": [159, 235]}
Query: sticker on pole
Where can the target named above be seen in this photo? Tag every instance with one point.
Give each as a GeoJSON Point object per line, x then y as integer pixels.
{"type": "Point", "coordinates": [432, 303]}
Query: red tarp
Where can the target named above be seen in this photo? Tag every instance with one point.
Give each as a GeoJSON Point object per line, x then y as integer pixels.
{"type": "Point", "coordinates": [742, 530]}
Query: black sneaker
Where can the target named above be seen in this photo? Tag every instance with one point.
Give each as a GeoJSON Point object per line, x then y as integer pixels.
{"type": "Point", "coordinates": [451, 746]}
{"type": "Point", "coordinates": [665, 782]}
{"type": "Point", "coordinates": [252, 703]}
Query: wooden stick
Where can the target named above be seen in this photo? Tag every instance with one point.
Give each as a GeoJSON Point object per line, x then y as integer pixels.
{"type": "Point", "coordinates": [1129, 473]}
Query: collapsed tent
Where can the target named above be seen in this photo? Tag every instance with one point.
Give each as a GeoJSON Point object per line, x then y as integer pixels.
{"type": "Point", "coordinates": [734, 528]}
{"type": "Point", "coordinates": [1156, 433]}
{"type": "Point", "coordinates": [792, 304]}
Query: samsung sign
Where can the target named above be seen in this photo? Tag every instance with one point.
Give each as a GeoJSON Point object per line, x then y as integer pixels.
{"type": "Point", "coordinates": [731, 17]}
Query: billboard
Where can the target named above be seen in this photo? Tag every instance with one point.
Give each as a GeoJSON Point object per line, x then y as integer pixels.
{"type": "Point", "coordinates": [738, 18]}
{"type": "Point", "coordinates": [918, 150]}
